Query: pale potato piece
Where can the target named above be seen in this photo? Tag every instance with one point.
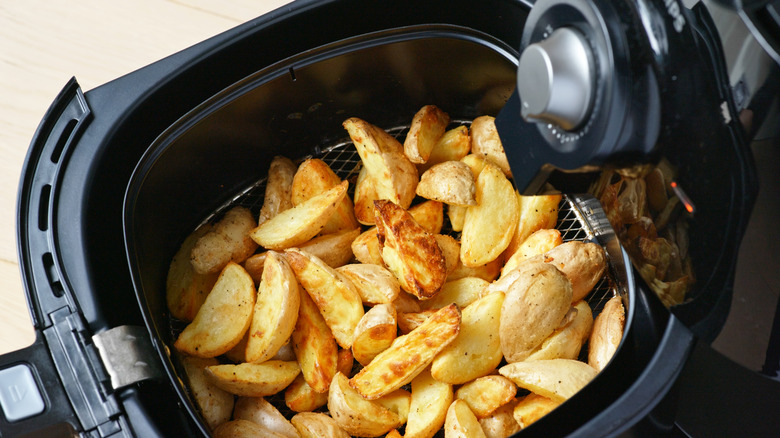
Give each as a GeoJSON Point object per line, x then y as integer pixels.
{"type": "Point", "coordinates": [374, 283]}
{"type": "Point", "coordinates": [300, 397]}
{"type": "Point", "coordinates": [298, 224]}
{"type": "Point", "coordinates": [335, 296]}
{"type": "Point", "coordinates": [477, 350]}
{"type": "Point", "coordinates": [314, 346]}
{"type": "Point", "coordinates": [539, 242]}
{"type": "Point", "coordinates": [428, 126]}
{"type": "Point", "coordinates": [453, 145]}
{"type": "Point", "coordinates": [185, 289]}
{"type": "Point", "coordinates": [409, 321]}
{"type": "Point", "coordinates": [534, 307]}
{"type": "Point", "coordinates": [409, 251]}
{"type": "Point", "coordinates": [253, 379]}
{"type": "Point", "coordinates": [489, 225]}
{"type": "Point", "coordinates": [393, 176]}
{"type": "Point", "coordinates": [583, 263]}
{"type": "Point", "coordinates": [224, 317]}
{"type": "Point", "coordinates": [399, 402]}
{"type": "Point", "coordinates": [227, 241]}
{"type": "Point", "coordinates": [276, 310]}
{"type": "Point", "coordinates": [244, 429]}
{"type": "Point", "coordinates": [461, 422]}
{"type": "Point", "coordinates": [313, 177]}
{"type": "Point", "coordinates": [450, 249]}
{"type": "Point", "coordinates": [556, 379]}
{"type": "Point", "coordinates": [215, 404]}
{"type": "Point", "coordinates": [607, 333]}
{"type": "Point", "coordinates": [428, 406]}
{"type": "Point", "coordinates": [277, 188]}
{"type": "Point", "coordinates": [531, 408]}
{"type": "Point", "coordinates": [366, 247]}
{"type": "Point", "coordinates": [487, 272]}
{"type": "Point", "coordinates": [317, 425]}
{"type": "Point", "coordinates": [476, 163]}
{"type": "Point", "coordinates": [356, 415]}
{"type": "Point", "coordinates": [462, 292]}
{"type": "Point", "coordinates": [567, 341]}
{"type": "Point", "coordinates": [485, 141]}
{"type": "Point", "coordinates": [375, 332]}
{"type": "Point", "coordinates": [450, 182]}
{"type": "Point", "coordinates": [254, 266]}
{"type": "Point", "coordinates": [259, 411]}
{"type": "Point", "coordinates": [365, 195]}
{"type": "Point", "coordinates": [333, 249]}
{"type": "Point", "coordinates": [501, 423]}
{"type": "Point", "coordinates": [408, 356]}
{"type": "Point", "coordinates": [536, 213]}
{"type": "Point", "coordinates": [486, 394]}
{"type": "Point", "coordinates": [457, 216]}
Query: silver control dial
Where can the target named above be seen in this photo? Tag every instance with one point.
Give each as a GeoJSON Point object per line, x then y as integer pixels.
{"type": "Point", "coordinates": [555, 79]}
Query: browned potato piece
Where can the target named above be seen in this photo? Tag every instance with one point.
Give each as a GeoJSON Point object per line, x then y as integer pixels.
{"type": "Point", "coordinates": [300, 397]}
{"type": "Point", "coordinates": [485, 141]}
{"type": "Point", "coordinates": [374, 283]}
{"type": "Point", "coordinates": [254, 379]}
{"type": "Point", "coordinates": [536, 213]}
{"type": "Point", "coordinates": [317, 425]}
{"type": "Point", "coordinates": [297, 225]}
{"type": "Point", "coordinates": [335, 296]}
{"type": "Point", "coordinates": [356, 415]}
{"type": "Point", "coordinates": [428, 126]}
{"type": "Point", "coordinates": [501, 423]}
{"type": "Point", "coordinates": [374, 333]}
{"type": "Point", "coordinates": [450, 249]}
{"type": "Point", "coordinates": [428, 407]}
{"type": "Point", "coordinates": [556, 379]}
{"type": "Point", "coordinates": [462, 292]}
{"type": "Point", "coordinates": [224, 317]}
{"type": "Point", "coordinates": [215, 404]}
{"type": "Point", "coordinates": [399, 402]}
{"type": "Point", "coordinates": [314, 346]}
{"type": "Point", "coordinates": [277, 188]}
{"type": "Point", "coordinates": [567, 341]}
{"type": "Point", "coordinates": [185, 289]}
{"type": "Point", "coordinates": [531, 408]}
{"type": "Point", "coordinates": [489, 225]}
{"type": "Point", "coordinates": [486, 394]}
{"type": "Point", "coordinates": [409, 251]}
{"type": "Point", "coordinates": [453, 145]}
{"type": "Point", "coordinates": [583, 264]}
{"type": "Point", "coordinates": [450, 182]}
{"type": "Point", "coordinates": [539, 242]}
{"type": "Point", "coordinates": [259, 411]}
{"type": "Point", "coordinates": [276, 309]}
{"type": "Point", "coordinates": [244, 429]}
{"type": "Point", "coordinates": [313, 177]}
{"type": "Point", "coordinates": [429, 215]}
{"type": "Point", "coordinates": [408, 356]}
{"type": "Point", "coordinates": [477, 349]}
{"type": "Point", "coordinates": [533, 308]}
{"type": "Point", "coordinates": [607, 333]}
{"type": "Point", "coordinates": [227, 241]}
{"type": "Point", "coordinates": [461, 422]}
{"type": "Point", "coordinates": [365, 195]}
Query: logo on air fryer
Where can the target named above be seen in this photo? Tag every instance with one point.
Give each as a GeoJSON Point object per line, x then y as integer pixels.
{"type": "Point", "coordinates": [673, 7]}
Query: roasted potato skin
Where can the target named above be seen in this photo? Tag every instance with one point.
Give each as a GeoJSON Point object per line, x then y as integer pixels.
{"type": "Point", "coordinates": [583, 263]}
{"type": "Point", "coordinates": [227, 241]}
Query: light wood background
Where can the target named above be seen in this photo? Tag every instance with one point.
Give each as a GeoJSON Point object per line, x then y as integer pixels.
{"type": "Point", "coordinates": [43, 43]}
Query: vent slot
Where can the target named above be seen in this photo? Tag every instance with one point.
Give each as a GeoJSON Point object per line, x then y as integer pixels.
{"type": "Point", "coordinates": [51, 275]}
{"type": "Point", "coordinates": [43, 208]}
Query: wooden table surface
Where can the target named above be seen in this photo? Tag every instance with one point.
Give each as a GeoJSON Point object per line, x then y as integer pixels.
{"type": "Point", "coordinates": [45, 43]}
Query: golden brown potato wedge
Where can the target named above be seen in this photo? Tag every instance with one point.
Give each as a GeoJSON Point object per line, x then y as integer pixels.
{"type": "Point", "coordinates": [429, 215]}
{"type": "Point", "coordinates": [556, 379]}
{"type": "Point", "coordinates": [366, 247]}
{"type": "Point", "coordinates": [298, 224]}
{"type": "Point", "coordinates": [452, 146]}
{"type": "Point", "coordinates": [244, 429]}
{"type": "Point", "coordinates": [534, 307]}
{"type": "Point", "coordinates": [356, 415]}
{"type": "Point", "coordinates": [566, 342]}
{"type": "Point", "coordinates": [365, 195]}
{"type": "Point", "coordinates": [536, 213]}
{"type": "Point", "coordinates": [583, 263]}
{"type": "Point", "coordinates": [531, 408]}
{"type": "Point", "coordinates": [375, 332]}
{"type": "Point", "coordinates": [607, 333]}
{"type": "Point", "coordinates": [253, 379]}
{"type": "Point", "coordinates": [313, 177]}
{"type": "Point", "coordinates": [278, 188]}
{"type": "Point", "coordinates": [335, 296]}
{"type": "Point", "coordinates": [450, 182]}
{"type": "Point", "coordinates": [486, 394]}
{"type": "Point", "coordinates": [428, 406]}
{"type": "Point", "coordinates": [314, 346]}
{"type": "Point", "coordinates": [428, 126]}
{"type": "Point", "coordinates": [276, 310]}
{"type": "Point", "coordinates": [215, 405]}
{"type": "Point", "coordinates": [227, 241]}
{"type": "Point", "coordinates": [259, 411]}
{"type": "Point", "coordinates": [501, 423]}
{"type": "Point", "coordinates": [462, 292]}
{"type": "Point", "coordinates": [489, 225]}
{"type": "Point", "coordinates": [409, 251]}
{"type": "Point", "coordinates": [539, 242]}
{"type": "Point", "coordinates": [185, 289]}
{"type": "Point", "coordinates": [374, 283]}
{"type": "Point", "coordinates": [485, 141]}
{"type": "Point", "coordinates": [224, 317]}
{"type": "Point", "coordinates": [300, 397]}
{"type": "Point", "coordinates": [317, 425]}
{"type": "Point", "coordinates": [461, 422]}
{"type": "Point", "coordinates": [408, 356]}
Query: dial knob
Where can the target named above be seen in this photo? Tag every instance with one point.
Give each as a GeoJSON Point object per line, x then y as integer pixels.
{"type": "Point", "coordinates": [555, 79]}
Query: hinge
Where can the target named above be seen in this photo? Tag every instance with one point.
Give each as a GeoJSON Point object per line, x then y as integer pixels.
{"type": "Point", "coordinates": [128, 355]}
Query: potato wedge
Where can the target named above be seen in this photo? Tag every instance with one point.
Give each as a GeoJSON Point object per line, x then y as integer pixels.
{"type": "Point", "coordinates": [300, 397]}
{"type": "Point", "coordinates": [536, 213]}
{"type": "Point", "coordinates": [583, 263]}
{"type": "Point", "coordinates": [457, 216]}
{"type": "Point", "coordinates": [399, 402]}
{"type": "Point", "coordinates": [356, 415]}
{"type": "Point", "coordinates": [313, 177]}
{"type": "Point", "coordinates": [375, 332]}
{"type": "Point", "coordinates": [428, 126]}
{"type": "Point", "coordinates": [244, 429]}
{"type": "Point", "coordinates": [408, 356]}
{"type": "Point", "coordinates": [566, 342]}
{"type": "Point", "coordinates": [227, 241]}
{"type": "Point", "coordinates": [278, 188]}
{"type": "Point", "coordinates": [317, 425]}
{"type": "Point", "coordinates": [533, 308]}
{"type": "Point", "coordinates": [501, 423]}
{"type": "Point", "coordinates": [485, 141]}
{"type": "Point", "coordinates": [428, 406]}
{"type": "Point", "coordinates": [314, 346]}
{"type": "Point", "coordinates": [224, 317]}
{"type": "Point", "coordinates": [366, 247]}
{"type": "Point", "coordinates": [333, 249]}
{"type": "Point", "coordinates": [374, 283]}
{"type": "Point", "coordinates": [462, 292]}
{"type": "Point", "coordinates": [477, 350]}
{"type": "Point", "coordinates": [556, 379]}
{"type": "Point", "coordinates": [185, 289]}
{"type": "Point", "coordinates": [253, 379]}
{"type": "Point", "coordinates": [487, 272]}
{"type": "Point", "coordinates": [531, 408]}
{"type": "Point", "coordinates": [254, 266]}
{"type": "Point", "coordinates": [453, 145]}
{"type": "Point", "coordinates": [276, 310]}
{"type": "Point", "coordinates": [450, 182]}
{"type": "Point", "coordinates": [335, 296]}
{"type": "Point", "coordinates": [298, 224]}
{"type": "Point", "coordinates": [486, 394]}
{"type": "Point", "coordinates": [259, 411]}
{"type": "Point", "coordinates": [429, 215]}
{"type": "Point", "coordinates": [450, 249]}
{"type": "Point", "coordinates": [409, 321]}
{"type": "Point", "coordinates": [539, 242]}
{"type": "Point", "coordinates": [607, 333]}
{"type": "Point", "coordinates": [405, 303]}
{"type": "Point", "coordinates": [489, 226]}
{"type": "Point", "coordinates": [215, 405]}
{"type": "Point", "coordinates": [365, 195]}
{"type": "Point", "coordinates": [409, 251]}
{"type": "Point", "coordinates": [461, 422]}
